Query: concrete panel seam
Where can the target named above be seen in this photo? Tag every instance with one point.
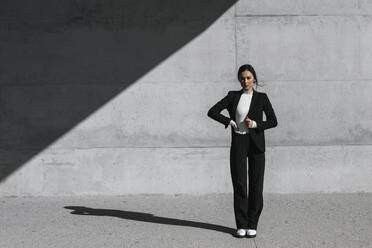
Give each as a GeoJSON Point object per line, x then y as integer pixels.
{"type": "Point", "coordinates": [289, 15]}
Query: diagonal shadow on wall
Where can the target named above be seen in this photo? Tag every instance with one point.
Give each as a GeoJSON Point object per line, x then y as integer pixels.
{"type": "Point", "coordinates": [62, 60]}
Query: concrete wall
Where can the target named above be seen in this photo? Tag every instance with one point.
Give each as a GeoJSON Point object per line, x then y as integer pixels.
{"type": "Point", "coordinates": [101, 97]}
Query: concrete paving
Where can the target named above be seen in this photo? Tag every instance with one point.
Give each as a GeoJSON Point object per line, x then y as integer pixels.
{"type": "Point", "coordinates": [288, 220]}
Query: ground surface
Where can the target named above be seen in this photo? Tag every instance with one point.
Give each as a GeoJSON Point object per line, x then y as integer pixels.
{"type": "Point", "coordinates": [295, 220]}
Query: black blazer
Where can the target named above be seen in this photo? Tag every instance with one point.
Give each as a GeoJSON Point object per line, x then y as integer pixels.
{"type": "Point", "coordinates": [260, 103]}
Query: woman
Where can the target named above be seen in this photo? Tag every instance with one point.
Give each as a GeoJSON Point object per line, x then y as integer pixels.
{"type": "Point", "coordinates": [245, 108]}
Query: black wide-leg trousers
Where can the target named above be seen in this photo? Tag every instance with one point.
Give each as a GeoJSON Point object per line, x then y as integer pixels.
{"type": "Point", "coordinates": [247, 207]}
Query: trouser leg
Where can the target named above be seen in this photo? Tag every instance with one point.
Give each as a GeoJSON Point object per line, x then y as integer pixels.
{"type": "Point", "coordinates": [256, 164]}
{"type": "Point", "coordinates": [238, 167]}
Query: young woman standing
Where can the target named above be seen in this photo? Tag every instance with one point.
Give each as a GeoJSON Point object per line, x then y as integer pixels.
{"type": "Point", "coordinates": [246, 108]}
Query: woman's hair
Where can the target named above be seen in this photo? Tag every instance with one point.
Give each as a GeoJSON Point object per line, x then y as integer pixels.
{"type": "Point", "coordinates": [248, 67]}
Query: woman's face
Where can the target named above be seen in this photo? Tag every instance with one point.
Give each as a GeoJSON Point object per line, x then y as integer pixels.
{"type": "Point", "coordinates": [246, 80]}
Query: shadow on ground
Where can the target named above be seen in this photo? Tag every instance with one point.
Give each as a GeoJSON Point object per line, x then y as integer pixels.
{"type": "Point", "coordinates": [146, 217]}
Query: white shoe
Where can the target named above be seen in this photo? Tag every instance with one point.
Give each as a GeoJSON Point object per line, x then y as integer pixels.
{"type": "Point", "coordinates": [241, 233]}
{"type": "Point", "coordinates": [251, 233]}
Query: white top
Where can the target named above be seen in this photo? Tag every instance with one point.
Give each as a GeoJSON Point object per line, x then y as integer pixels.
{"type": "Point", "coordinates": [242, 111]}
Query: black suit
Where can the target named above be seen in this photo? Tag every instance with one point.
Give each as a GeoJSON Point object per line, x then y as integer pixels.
{"type": "Point", "coordinates": [260, 102]}
{"type": "Point", "coordinates": [247, 208]}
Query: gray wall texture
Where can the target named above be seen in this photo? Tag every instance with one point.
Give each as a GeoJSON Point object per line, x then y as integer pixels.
{"type": "Point", "coordinates": [110, 97]}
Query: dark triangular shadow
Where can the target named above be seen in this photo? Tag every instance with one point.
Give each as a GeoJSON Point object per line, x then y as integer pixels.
{"type": "Point", "coordinates": [62, 60]}
{"type": "Point", "coordinates": [146, 217]}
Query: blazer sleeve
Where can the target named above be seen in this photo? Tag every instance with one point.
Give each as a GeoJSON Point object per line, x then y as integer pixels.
{"type": "Point", "coordinates": [215, 111]}
{"type": "Point", "coordinates": [271, 120]}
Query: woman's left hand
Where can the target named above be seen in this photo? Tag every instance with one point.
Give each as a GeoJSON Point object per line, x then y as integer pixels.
{"type": "Point", "coordinates": [249, 122]}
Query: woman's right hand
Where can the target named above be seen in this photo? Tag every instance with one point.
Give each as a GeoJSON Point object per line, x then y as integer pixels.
{"type": "Point", "coordinates": [233, 124]}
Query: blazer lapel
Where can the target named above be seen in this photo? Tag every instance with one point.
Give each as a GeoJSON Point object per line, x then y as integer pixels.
{"type": "Point", "coordinates": [253, 103]}
{"type": "Point", "coordinates": [235, 102]}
